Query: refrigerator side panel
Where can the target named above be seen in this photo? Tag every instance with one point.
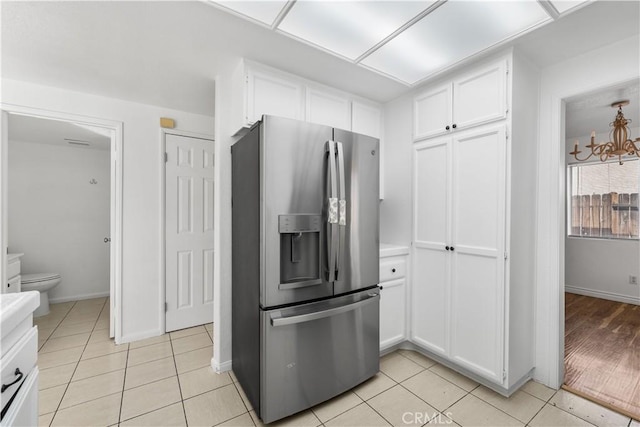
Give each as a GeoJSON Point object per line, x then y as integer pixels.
{"type": "Point", "coordinates": [360, 257]}
{"type": "Point", "coordinates": [294, 162]}
{"type": "Point", "coordinates": [245, 175]}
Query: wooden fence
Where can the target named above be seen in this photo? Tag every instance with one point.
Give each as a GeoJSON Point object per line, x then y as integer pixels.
{"type": "Point", "coordinates": [605, 215]}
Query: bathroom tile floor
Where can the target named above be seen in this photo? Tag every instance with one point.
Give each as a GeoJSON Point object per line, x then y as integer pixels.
{"type": "Point", "coordinates": [87, 380]}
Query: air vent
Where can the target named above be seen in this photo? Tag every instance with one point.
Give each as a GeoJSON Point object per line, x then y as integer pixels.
{"type": "Point", "coordinates": [77, 142]}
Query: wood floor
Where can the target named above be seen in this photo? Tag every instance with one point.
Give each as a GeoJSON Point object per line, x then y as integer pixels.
{"type": "Point", "coordinates": [602, 352]}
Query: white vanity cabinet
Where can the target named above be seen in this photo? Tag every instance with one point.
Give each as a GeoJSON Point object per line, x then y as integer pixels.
{"type": "Point", "coordinates": [473, 227]}
{"type": "Point", "coordinates": [19, 355]}
{"type": "Point", "coordinates": [393, 295]}
{"type": "Point", "coordinates": [474, 98]}
{"type": "Point", "coordinates": [13, 274]}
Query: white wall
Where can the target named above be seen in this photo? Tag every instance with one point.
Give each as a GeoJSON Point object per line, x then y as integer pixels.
{"type": "Point", "coordinates": [142, 167]}
{"type": "Point", "coordinates": [58, 219]}
{"type": "Point", "coordinates": [395, 209]}
{"type": "Point", "coordinates": [599, 68]}
{"type": "Point", "coordinates": [601, 268]}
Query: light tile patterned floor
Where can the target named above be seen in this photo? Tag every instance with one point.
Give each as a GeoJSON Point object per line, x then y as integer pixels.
{"type": "Point", "coordinates": [87, 380]}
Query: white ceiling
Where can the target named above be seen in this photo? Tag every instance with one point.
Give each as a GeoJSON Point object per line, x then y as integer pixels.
{"type": "Point", "coordinates": [167, 53]}
{"type": "Point", "coordinates": [593, 112]}
{"type": "Point", "coordinates": [406, 40]}
{"type": "Point", "coordinates": [56, 132]}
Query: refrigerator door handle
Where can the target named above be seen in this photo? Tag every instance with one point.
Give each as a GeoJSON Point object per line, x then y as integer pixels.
{"type": "Point", "coordinates": [342, 210]}
{"type": "Point", "coordinates": [332, 210]}
{"type": "Point", "coordinates": [277, 320]}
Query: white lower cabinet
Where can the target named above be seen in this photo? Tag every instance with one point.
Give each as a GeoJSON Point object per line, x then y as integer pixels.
{"type": "Point", "coordinates": [393, 296]}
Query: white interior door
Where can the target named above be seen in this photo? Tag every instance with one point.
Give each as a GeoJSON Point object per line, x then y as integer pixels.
{"type": "Point", "coordinates": [189, 231]}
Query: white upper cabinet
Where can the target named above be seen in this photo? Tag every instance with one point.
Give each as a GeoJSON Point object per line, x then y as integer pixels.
{"type": "Point", "coordinates": [475, 98]}
{"type": "Point", "coordinates": [268, 94]}
{"type": "Point", "coordinates": [366, 119]}
{"type": "Point", "coordinates": [328, 109]}
{"type": "Point", "coordinates": [263, 90]}
{"type": "Point", "coordinates": [480, 97]}
{"type": "Point", "coordinates": [432, 110]}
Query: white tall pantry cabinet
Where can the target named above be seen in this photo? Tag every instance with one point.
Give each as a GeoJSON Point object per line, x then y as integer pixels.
{"type": "Point", "coordinates": [473, 221]}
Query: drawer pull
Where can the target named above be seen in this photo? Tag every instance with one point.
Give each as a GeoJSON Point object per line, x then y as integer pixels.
{"type": "Point", "coordinates": [19, 374]}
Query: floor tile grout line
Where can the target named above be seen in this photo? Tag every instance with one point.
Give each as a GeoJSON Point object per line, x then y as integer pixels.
{"type": "Point", "coordinates": [347, 410]}
{"type": "Point", "coordinates": [175, 366]}
{"type": "Point", "coordinates": [374, 410]}
{"type": "Point", "coordinates": [55, 412]}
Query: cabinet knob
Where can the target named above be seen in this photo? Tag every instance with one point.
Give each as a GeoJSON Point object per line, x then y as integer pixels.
{"type": "Point", "coordinates": [393, 270]}
{"type": "Point", "coordinates": [447, 247]}
{"type": "Point", "coordinates": [446, 128]}
{"type": "Point", "coordinates": [8, 285]}
{"type": "Point", "coordinates": [452, 248]}
{"type": "Point", "coordinates": [455, 126]}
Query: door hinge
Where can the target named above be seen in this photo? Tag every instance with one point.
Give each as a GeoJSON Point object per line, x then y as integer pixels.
{"type": "Point", "coordinates": [505, 255]}
{"type": "Point", "coordinates": [504, 375]}
{"type": "Point", "coordinates": [166, 157]}
{"type": "Point", "coordinates": [166, 307]}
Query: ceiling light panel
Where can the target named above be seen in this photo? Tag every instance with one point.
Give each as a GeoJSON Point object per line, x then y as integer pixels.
{"type": "Point", "coordinates": [348, 28]}
{"type": "Point", "coordinates": [452, 32]}
{"type": "Point", "coordinates": [564, 5]}
{"type": "Point", "coordinates": [263, 11]}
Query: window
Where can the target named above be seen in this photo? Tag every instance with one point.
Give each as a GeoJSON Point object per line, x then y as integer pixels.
{"type": "Point", "coordinates": [603, 200]}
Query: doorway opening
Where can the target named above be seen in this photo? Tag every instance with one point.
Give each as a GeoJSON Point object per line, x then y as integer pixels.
{"type": "Point", "coordinates": [602, 256]}
{"type": "Point", "coordinates": [62, 208]}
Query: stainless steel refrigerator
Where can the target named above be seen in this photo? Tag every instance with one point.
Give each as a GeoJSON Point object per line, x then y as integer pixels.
{"type": "Point", "coordinates": [305, 263]}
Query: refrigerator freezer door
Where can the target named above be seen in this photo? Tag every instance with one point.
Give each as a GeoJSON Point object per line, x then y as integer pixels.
{"type": "Point", "coordinates": [359, 252]}
{"type": "Point", "coordinates": [294, 165]}
{"type": "Point", "coordinates": [313, 352]}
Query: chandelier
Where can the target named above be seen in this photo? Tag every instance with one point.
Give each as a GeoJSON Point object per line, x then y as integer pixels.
{"type": "Point", "coordinates": [619, 145]}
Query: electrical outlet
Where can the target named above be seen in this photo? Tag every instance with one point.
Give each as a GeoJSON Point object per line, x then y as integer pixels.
{"type": "Point", "coordinates": [633, 280]}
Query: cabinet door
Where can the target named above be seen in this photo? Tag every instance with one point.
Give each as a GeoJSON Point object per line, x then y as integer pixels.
{"type": "Point", "coordinates": [431, 260]}
{"type": "Point", "coordinates": [392, 309]}
{"type": "Point", "coordinates": [477, 280]}
{"type": "Point", "coordinates": [365, 119]}
{"type": "Point", "coordinates": [481, 96]}
{"type": "Point", "coordinates": [328, 109]}
{"type": "Point", "coordinates": [432, 112]}
{"type": "Point", "coordinates": [267, 94]}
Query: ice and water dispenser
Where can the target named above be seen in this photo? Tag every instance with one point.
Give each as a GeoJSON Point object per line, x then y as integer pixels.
{"type": "Point", "coordinates": [299, 250]}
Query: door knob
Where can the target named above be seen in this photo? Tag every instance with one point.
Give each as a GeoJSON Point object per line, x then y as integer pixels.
{"type": "Point", "coordinates": [107, 239]}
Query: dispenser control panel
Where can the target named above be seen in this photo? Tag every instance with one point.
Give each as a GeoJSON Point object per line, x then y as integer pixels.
{"type": "Point", "coordinates": [299, 223]}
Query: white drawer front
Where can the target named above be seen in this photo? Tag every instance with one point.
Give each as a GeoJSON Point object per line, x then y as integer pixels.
{"type": "Point", "coordinates": [22, 356]}
{"type": "Point", "coordinates": [13, 269]}
{"type": "Point", "coordinates": [393, 269]}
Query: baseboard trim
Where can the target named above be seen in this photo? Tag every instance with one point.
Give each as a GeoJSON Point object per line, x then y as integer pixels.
{"type": "Point", "coordinates": [612, 296]}
{"type": "Point", "coordinates": [78, 297]}
{"type": "Point", "coordinates": [220, 366]}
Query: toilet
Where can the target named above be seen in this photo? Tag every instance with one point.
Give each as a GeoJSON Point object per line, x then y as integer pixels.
{"type": "Point", "coordinates": [43, 283]}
